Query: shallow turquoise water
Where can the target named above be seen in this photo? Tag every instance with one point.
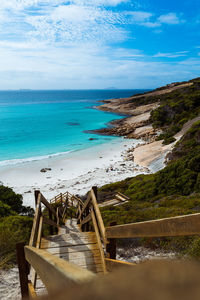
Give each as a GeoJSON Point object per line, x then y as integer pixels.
{"type": "Point", "coordinates": [42, 123]}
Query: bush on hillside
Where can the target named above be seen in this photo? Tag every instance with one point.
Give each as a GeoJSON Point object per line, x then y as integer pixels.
{"type": "Point", "coordinates": [11, 203]}
{"type": "Point", "coordinates": [13, 230]}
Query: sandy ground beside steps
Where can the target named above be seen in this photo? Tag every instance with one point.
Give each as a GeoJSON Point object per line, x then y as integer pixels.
{"type": "Point", "coordinates": [9, 284]}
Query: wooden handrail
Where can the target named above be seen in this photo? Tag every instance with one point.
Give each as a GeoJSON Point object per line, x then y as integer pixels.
{"type": "Point", "coordinates": [99, 217]}
{"type": "Point", "coordinates": [123, 196]}
{"type": "Point", "coordinates": [174, 226]}
{"type": "Point", "coordinates": [86, 220]}
{"type": "Point", "coordinates": [85, 205]}
{"type": "Point", "coordinates": [48, 205]}
{"type": "Point", "coordinates": [112, 264]}
{"type": "Point", "coordinates": [68, 195]}
{"type": "Point", "coordinates": [55, 272]}
{"type": "Point", "coordinates": [50, 222]}
{"type": "Point", "coordinates": [33, 238]}
{"type": "Point", "coordinates": [98, 241]}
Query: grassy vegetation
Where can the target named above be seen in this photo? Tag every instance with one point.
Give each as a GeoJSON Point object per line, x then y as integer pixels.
{"type": "Point", "coordinates": [173, 191]}
{"type": "Point", "coordinates": [15, 225]}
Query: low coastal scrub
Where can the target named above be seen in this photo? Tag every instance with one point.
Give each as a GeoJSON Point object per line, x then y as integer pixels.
{"type": "Point", "coordinates": [15, 225]}
{"type": "Point", "coordinates": [173, 191]}
{"type": "Point", "coordinates": [13, 230]}
{"type": "Point", "coordinates": [176, 108]}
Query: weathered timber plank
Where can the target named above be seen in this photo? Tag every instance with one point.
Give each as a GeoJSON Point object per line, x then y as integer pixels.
{"type": "Point", "coordinates": [65, 236]}
{"type": "Point", "coordinates": [113, 264]}
{"type": "Point", "coordinates": [121, 203]}
{"type": "Point", "coordinates": [73, 248]}
{"type": "Point", "coordinates": [48, 205]}
{"type": "Point", "coordinates": [87, 202]}
{"type": "Point", "coordinates": [71, 243]}
{"type": "Point", "coordinates": [176, 226]}
{"type": "Point", "coordinates": [23, 269]}
{"type": "Point", "coordinates": [86, 255]}
{"type": "Point", "coordinates": [49, 222]}
{"type": "Point", "coordinates": [31, 290]}
{"type": "Point", "coordinates": [81, 259]}
{"type": "Point", "coordinates": [110, 202]}
{"type": "Point", "coordinates": [38, 244]}
{"type": "Point", "coordinates": [123, 196]}
{"type": "Point", "coordinates": [86, 220]}
{"type": "Point", "coordinates": [122, 199]}
{"type": "Point", "coordinates": [99, 217]}
{"type": "Point", "coordinates": [98, 240]}
{"type": "Point", "coordinates": [33, 238]}
{"type": "Point", "coordinates": [54, 272]}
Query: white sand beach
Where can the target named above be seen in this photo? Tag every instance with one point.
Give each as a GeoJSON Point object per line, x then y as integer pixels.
{"type": "Point", "coordinates": [78, 171]}
{"type": "Point", "coordinates": [75, 172]}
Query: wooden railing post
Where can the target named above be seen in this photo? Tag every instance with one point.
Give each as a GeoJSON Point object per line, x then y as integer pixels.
{"type": "Point", "coordinates": [94, 188]}
{"type": "Point", "coordinates": [23, 270]}
{"type": "Point", "coordinates": [51, 227]}
{"type": "Point", "coordinates": [111, 246]}
{"type": "Point", "coordinates": [87, 225]}
{"type": "Point", "coordinates": [36, 193]}
{"type": "Point", "coordinates": [57, 213]}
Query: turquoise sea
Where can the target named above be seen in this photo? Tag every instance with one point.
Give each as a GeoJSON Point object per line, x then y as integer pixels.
{"type": "Point", "coordinates": [38, 124]}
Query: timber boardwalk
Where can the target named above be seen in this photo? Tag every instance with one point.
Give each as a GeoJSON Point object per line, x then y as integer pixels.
{"type": "Point", "coordinates": [78, 247]}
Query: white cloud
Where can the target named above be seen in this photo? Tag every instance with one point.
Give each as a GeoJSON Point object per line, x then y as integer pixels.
{"type": "Point", "coordinates": [84, 66]}
{"type": "Point", "coordinates": [151, 24]}
{"type": "Point", "coordinates": [67, 44]}
{"type": "Point", "coordinates": [23, 4]}
{"type": "Point", "coordinates": [172, 55]}
{"type": "Point", "coordinates": [148, 19]}
{"type": "Point", "coordinates": [139, 16]}
{"type": "Point", "coordinates": [98, 2]}
{"type": "Point", "coordinates": [170, 18]}
{"type": "Point", "coordinates": [73, 23]}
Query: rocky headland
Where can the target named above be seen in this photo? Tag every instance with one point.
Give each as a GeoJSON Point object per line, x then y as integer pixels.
{"type": "Point", "coordinates": [136, 123]}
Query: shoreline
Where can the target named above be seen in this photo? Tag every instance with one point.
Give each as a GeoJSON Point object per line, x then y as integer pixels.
{"type": "Point", "coordinates": [76, 172]}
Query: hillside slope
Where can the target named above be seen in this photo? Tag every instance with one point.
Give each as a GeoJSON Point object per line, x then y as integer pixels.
{"type": "Point", "coordinates": [175, 190]}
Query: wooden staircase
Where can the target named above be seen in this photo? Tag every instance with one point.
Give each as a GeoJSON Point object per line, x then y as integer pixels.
{"type": "Point", "coordinates": [78, 249]}
{"type": "Point", "coordinates": [70, 244]}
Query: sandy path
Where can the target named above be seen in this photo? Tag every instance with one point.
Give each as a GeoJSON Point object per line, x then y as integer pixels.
{"type": "Point", "coordinates": [145, 155]}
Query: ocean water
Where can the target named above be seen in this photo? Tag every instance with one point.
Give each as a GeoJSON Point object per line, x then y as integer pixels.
{"type": "Point", "coordinates": [38, 124]}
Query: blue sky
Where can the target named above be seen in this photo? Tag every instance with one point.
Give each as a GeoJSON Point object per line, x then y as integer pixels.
{"type": "Point", "coordinates": [57, 44]}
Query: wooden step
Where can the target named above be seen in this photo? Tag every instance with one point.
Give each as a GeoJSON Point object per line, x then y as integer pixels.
{"type": "Point", "coordinates": [120, 198]}
{"type": "Point", "coordinates": [70, 226]}
{"type": "Point", "coordinates": [68, 240]}
{"type": "Point", "coordinates": [73, 248]}
{"type": "Point", "coordinates": [80, 248]}
{"type": "Point", "coordinates": [72, 234]}
{"type": "Point", "coordinates": [109, 202]}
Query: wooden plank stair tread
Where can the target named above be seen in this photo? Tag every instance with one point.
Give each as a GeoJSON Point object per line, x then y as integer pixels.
{"type": "Point", "coordinates": [70, 226]}
{"type": "Point", "coordinates": [80, 248]}
{"type": "Point", "coordinates": [109, 202]}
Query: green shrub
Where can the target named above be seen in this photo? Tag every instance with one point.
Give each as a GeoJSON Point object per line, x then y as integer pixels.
{"type": "Point", "coordinates": [13, 230]}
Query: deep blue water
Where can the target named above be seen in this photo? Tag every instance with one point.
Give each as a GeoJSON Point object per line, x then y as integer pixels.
{"type": "Point", "coordinates": [42, 123]}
